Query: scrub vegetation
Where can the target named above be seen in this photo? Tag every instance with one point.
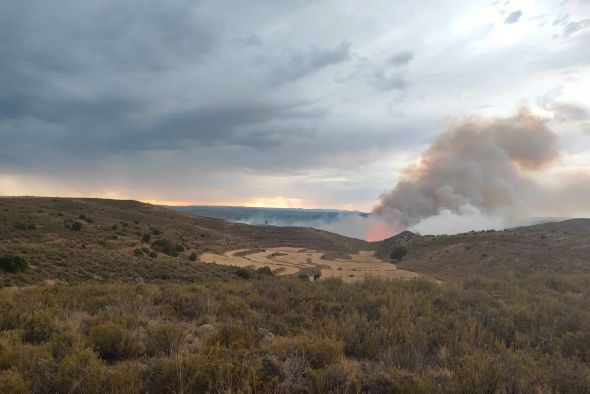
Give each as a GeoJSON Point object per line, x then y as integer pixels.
{"type": "Point", "coordinates": [266, 334]}
{"type": "Point", "coordinates": [107, 309]}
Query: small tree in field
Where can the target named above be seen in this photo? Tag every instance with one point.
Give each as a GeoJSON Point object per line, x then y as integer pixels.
{"type": "Point", "coordinates": [13, 264]}
{"type": "Point", "coordinates": [399, 253]}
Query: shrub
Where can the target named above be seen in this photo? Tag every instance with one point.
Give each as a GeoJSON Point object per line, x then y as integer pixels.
{"type": "Point", "coordinates": [85, 218]}
{"type": "Point", "coordinates": [81, 372]}
{"type": "Point", "coordinates": [111, 341]}
{"type": "Point", "coordinates": [146, 238]}
{"type": "Point", "coordinates": [163, 339]}
{"type": "Point", "coordinates": [156, 231]}
{"type": "Point", "coordinates": [264, 271]}
{"type": "Point", "coordinates": [76, 226]}
{"type": "Point", "coordinates": [179, 248]}
{"type": "Point", "coordinates": [193, 257]}
{"type": "Point", "coordinates": [38, 326]}
{"type": "Point", "coordinates": [398, 253]}
{"type": "Point", "coordinates": [165, 246]}
{"type": "Point", "coordinates": [11, 381]}
{"type": "Point", "coordinates": [303, 277]}
{"type": "Point", "coordinates": [138, 252]}
{"type": "Point", "coordinates": [13, 264]}
{"type": "Point", "coordinates": [242, 273]}
{"type": "Point", "coordinates": [317, 352]}
{"type": "Point", "coordinates": [271, 368]}
{"type": "Point", "coordinates": [20, 226]}
{"type": "Point", "coordinates": [125, 378]}
{"type": "Point", "coordinates": [8, 314]}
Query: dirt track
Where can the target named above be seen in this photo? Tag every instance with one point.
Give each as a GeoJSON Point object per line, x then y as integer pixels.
{"type": "Point", "coordinates": [290, 261]}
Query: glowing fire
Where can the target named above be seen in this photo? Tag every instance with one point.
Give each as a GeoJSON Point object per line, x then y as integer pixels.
{"type": "Point", "coordinates": [378, 229]}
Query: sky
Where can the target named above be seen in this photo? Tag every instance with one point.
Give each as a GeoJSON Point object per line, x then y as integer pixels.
{"type": "Point", "coordinates": [313, 104]}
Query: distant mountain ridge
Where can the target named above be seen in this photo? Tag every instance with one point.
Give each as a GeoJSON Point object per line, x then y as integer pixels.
{"type": "Point", "coordinates": [299, 217]}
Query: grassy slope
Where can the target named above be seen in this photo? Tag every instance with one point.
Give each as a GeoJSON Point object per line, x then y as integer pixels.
{"type": "Point", "coordinates": [551, 247]}
{"type": "Point", "coordinates": [104, 249]}
{"type": "Point", "coordinates": [518, 334]}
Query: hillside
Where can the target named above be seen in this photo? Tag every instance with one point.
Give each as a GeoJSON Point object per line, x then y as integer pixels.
{"type": "Point", "coordinates": [561, 247]}
{"type": "Point", "coordinates": [109, 244]}
{"type": "Point", "coordinates": [94, 313]}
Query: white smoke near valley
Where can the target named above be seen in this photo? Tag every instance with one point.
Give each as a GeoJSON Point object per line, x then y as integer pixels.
{"type": "Point", "coordinates": [480, 174]}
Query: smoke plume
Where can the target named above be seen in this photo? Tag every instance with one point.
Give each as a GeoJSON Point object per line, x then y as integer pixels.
{"type": "Point", "coordinates": [480, 166]}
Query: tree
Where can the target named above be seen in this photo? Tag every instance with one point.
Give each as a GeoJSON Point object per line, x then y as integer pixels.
{"type": "Point", "coordinates": [399, 253]}
{"type": "Point", "coordinates": [13, 264]}
{"type": "Point", "coordinates": [165, 246]}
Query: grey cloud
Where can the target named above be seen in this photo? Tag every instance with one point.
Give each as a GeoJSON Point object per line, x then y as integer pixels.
{"type": "Point", "coordinates": [241, 124]}
{"type": "Point", "coordinates": [147, 92]}
{"type": "Point", "coordinates": [250, 39]}
{"type": "Point", "coordinates": [513, 17]}
{"type": "Point", "coordinates": [298, 63]}
{"type": "Point", "coordinates": [574, 27]}
{"type": "Point", "coordinates": [570, 112]}
{"type": "Point", "coordinates": [132, 35]}
{"type": "Point", "coordinates": [382, 80]}
{"type": "Point", "coordinates": [401, 59]}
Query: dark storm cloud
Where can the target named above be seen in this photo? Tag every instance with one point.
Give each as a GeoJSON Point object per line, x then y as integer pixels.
{"type": "Point", "coordinates": [83, 80]}
{"type": "Point", "coordinates": [513, 17]}
{"type": "Point", "coordinates": [238, 123]}
{"type": "Point", "coordinates": [149, 92]}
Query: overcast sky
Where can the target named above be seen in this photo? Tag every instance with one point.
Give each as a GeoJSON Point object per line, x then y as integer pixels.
{"type": "Point", "coordinates": [303, 103]}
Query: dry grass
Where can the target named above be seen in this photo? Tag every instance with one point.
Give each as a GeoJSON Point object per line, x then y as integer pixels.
{"type": "Point", "coordinates": [562, 247]}
{"type": "Point", "coordinates": [109, 245]}
{"type": "Point", "coordinates": [293, 261]}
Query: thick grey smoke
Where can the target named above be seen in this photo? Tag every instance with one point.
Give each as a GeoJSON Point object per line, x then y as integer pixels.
{"type": "Point", "coordinates": [479, 165]}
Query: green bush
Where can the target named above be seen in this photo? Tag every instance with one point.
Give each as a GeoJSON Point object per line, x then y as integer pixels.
{"type": "Point", "coordinates": [193, 257]}
{"type": "Point", "coordinates": [243, 273]}
{"type": "Point", "coordinates": [147, 238]}
{"type": "Point", "coordinates": [77, 226]}
{"type": "Point", "coordinates": [13, 264]}
{"type": "Point", "coordinates": [264, 271]}
{"type": "Point", "coordinates": [81, 372]}
{"type": "Point", "coordinates": [398, 253]}
{"type": "Point", "coordinates": [111, 341]}
{"type": "Point", "coordinates": [38, 326]}
{"type": "Point", "coordinates": [165, 246]}
{"type": "Point", "coordinates": [163, 339]}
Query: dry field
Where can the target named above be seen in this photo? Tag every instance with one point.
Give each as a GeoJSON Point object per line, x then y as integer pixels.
{"type": "Point", "coordinates": [293, 261]}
